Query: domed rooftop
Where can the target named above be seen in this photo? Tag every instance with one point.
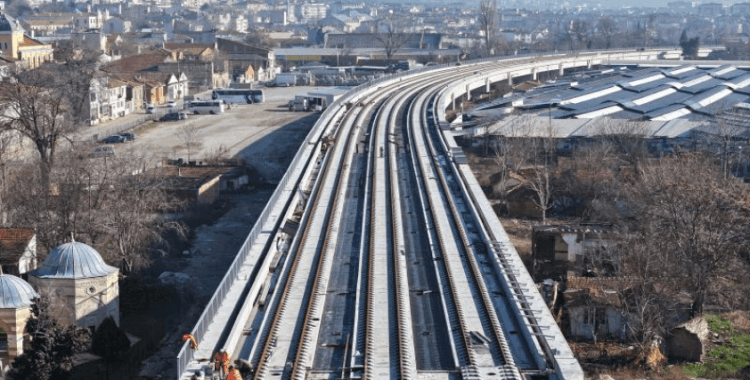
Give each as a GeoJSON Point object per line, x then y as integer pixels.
{"type": "Point", "coordinates": [15, 293]}
{"type": "Point", "coordinates": [9, 24]}
{"type": "Point", "coordinates": [73, 260]}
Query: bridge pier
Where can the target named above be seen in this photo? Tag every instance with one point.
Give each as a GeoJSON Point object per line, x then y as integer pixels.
{"type": "Point", "coordinates": [468, 92]}
{"type": "Point", "coordinates": [453, 102]}
{"type": "Point", "coordinates": [533, 73]}
{"type": "Point", "coordinates": [510, 79]}
{"type": "Point", "coordinates": [562, 70]}
{"type": "Point", "coordinates": [487, 85]}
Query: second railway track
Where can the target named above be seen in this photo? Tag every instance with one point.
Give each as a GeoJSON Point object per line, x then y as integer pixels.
{"type": "Point", "coordinates": [385, 262]}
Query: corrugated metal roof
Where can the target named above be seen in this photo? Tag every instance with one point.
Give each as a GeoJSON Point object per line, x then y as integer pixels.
{"type": "Point", "coordinates": [15, 293]}
{"type": "Point", "coordinates": [676, 128]}
{"type": "Point", "coordinates": [73, 260]}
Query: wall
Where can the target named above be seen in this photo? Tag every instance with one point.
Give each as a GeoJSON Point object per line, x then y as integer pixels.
{"type": "Point", "coordinates": [208, 193]}
{"type": "Point", "coordinates": [13, 322]}
{"type": "Point", "coordinates": [612, 328]}
{"type": "Point", "coordinates": [84, 302]}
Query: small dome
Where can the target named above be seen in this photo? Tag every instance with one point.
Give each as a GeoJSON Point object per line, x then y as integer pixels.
{"type": "Point", "coordinates": [15, 293]}
{"type": "Point", "coordinates": [9, 24]}
{"type": "Point", "coordinates": [73, 260]}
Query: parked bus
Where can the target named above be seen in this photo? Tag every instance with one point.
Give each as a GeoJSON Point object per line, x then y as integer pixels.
{"type": "Point", "coordinates": [206, 106]}
{"type": "Point", "coordinates": [239, 96]}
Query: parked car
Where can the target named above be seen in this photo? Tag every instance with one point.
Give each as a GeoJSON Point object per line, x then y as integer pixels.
{"type": "Point", "coordinates": [150, 109]}
{"type": "Point", "coordinates": [183, 115]}
{"type": "Point", "coordinates": [102, 151]}
{"type": "Point", "coordinates": [171, 104]}
{"type": "Point", "coordinates": [172, 116]}
{"type": "Point", "coordinates": [114, 139]}
{"type": "Point", "coordinates": [128, 136]}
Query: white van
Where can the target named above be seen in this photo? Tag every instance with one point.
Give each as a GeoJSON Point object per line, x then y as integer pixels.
{"type": "Point", "coordinates": [150, 109]}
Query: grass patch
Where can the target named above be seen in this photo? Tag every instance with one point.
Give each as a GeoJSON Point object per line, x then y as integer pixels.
{"type": "Point", "coordinates": [726, 359]}
{"type": "Point", "coordinates": [719, 324]}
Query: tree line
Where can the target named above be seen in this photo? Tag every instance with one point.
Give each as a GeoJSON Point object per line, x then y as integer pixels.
{"type": "Point", "coordinates": [680, 220]}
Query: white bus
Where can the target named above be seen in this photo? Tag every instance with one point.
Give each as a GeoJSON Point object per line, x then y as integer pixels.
{"type": "Point", "coordinates": [239, 96]}
{"type": "Point", "coordinates": [206, 106]}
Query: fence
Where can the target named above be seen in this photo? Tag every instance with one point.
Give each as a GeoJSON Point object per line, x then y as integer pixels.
{"type": "Point", "coordinates": [102, 132]}
{"type": "Point", "coordinates": [186, 354]}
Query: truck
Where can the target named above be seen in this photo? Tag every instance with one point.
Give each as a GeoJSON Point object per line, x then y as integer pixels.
{"type": "Point", "coordinates": [320, 100]}
{"type": "Point", "coordinates": [299, 103]}
{"type": "Point", "coordinates": [287, 79]}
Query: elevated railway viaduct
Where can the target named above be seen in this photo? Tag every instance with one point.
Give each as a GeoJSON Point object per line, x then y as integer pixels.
{"type": "Point", "coordinates": [379, 257]}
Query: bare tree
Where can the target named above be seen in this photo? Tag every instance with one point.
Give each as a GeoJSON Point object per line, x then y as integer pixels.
{"type": "Point", "coordinates": [488, 23]}
{"type": "Point", "coordinates": [44, 105]}
{"type": "Point", "coordinates": [391, 38]}
{"type": "Point", "coordinates": [607, 29]}
{"type": "Point", "coordinates": [542, 169]}
{"type": "Point", "coordinates": [38, 112]}
{"type": "Point", "coordinates": [132, 222]}
{"type": "Point", "coordinates": [580, 31]}
{"type": "Point", "coordinates": [512, 149]}
{"type": "Point", "coordinates": [698, 218]}
{"type": "Point", "coordinates": [190, 138]}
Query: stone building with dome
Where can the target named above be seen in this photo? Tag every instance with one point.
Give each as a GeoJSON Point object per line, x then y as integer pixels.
{"type": "Point", "coordinates": [16, 297]}
{"type": "Point", "coordinates": [18, 47]}
{"type": "Point", "coordinates": [85, 288]}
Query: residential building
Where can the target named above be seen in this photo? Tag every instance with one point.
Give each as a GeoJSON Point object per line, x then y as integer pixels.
{"type": "Point", "coordinates": [595, 307]}
{"type": "Point", "coordinates": [311, 12]}
{"type": "Point", "coordinates": [741, 9]}
{"type": "Point", "coordinates": [711, 9]}
{"type": "Point", "coordinates": [107, 99]}
{"type": "Point", "coordinates": [93, 40]}
{"type": "Point", "coordinates": [86, 21]}
{"type": "Point", "coordinates": [240, 55]}
{"type": "Point", "coordinates": [46, 25]}
{"type": "Point", "coordinates": [569, 250]}
{"type": "Point", "coordinates": [117, 26]}
{"type": "Point", "coordinates": [17, 250]}
{"type": "Point", "coordinates": [14, 44]}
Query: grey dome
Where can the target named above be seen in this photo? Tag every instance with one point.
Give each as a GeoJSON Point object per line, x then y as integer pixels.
{"type": "Point", "coordinates": [15, 293]}
{"type": "Point", "coordinates": [73, 260]}
{"type": "Point", "coordinates": [9, 24]}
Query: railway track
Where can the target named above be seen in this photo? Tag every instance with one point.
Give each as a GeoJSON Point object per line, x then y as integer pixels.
{"type": "Point", "coordinates": [386, 261]}
{"type": "Point", "coordinates": [401, 151]}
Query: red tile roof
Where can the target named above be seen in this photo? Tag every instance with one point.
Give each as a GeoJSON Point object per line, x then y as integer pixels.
{"type": "Point", "coordinates": [137, 62]}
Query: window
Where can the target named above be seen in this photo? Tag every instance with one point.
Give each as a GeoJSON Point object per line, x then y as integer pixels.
{"type": "Point", "coordinates": [596, 316]}
{"type": "Point", "coordinates": [3, 341]}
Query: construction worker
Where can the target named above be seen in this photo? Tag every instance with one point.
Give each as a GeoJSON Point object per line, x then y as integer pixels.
{"type": "Point", "coordinates": [191, 338]}
{"type": "Point", "coordinates": [233, 374]}
{"type": "Point", "coordinates": [225, 362]}
{"type": "Point", "coordinates": [217, 365]}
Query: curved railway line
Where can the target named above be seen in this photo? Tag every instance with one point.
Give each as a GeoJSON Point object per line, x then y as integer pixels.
{"type": "Point", "coordinates": [379, 256]}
